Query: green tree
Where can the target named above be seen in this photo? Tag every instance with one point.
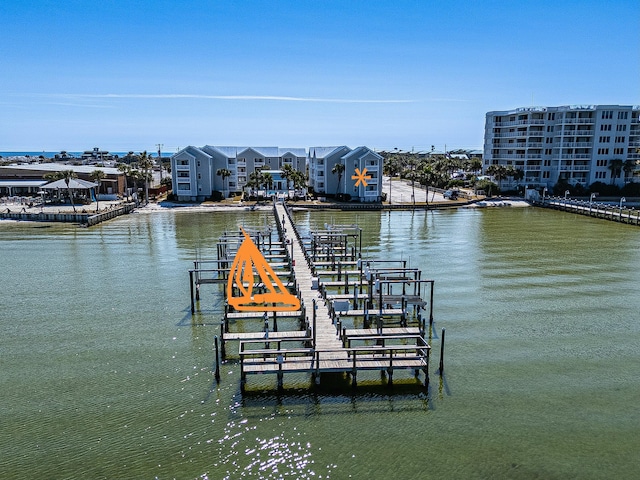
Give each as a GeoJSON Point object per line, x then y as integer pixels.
{"type": "Point", "coordinates": [266, 180]}
{"type": "Point", "coordinates": [628, 167]}
{"type": "Point", "coordinates": [126, 170]}
{"type": "Point", "coordinates": [225, 173]}
{"type": "Point", "coordinates": [287, 173]}
{"type": "Point", "coordinates": [615, 166]}
{"type": "Point", "coordinates": [146, 164]}
{"type": "Point", "coordinates": [338, 169]}
{"type": "Point", "coordinates": [426, 177]}
{"type": "Point", "coordinates": [97, 176]}
{"type": "Point", "coordinates": [67, 176]}
{"type": "Point", "coordinates": [499, 172]}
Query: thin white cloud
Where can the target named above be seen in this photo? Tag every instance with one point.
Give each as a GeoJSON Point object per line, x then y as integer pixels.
{"type": "Point", "coordinates": [274, 98]}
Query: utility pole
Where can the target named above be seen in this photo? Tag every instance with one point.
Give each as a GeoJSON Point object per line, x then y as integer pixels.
{"type": "Point", "coordinates": [160, 145]}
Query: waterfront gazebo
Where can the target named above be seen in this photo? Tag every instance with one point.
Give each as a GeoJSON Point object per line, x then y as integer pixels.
{"type": "Point", "coordinates": [75, 185]}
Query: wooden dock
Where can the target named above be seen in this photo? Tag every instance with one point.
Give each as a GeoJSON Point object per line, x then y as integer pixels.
{"type": "Point", "coordinates": [317, 271]}
{"type": "Point", "coordinates": [331, 348]}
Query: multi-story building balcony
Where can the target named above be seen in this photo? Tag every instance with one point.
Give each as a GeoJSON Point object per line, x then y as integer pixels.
{"type": "Point", "coordinates": [573, 144]}
{"type": "Point", "coordinates": [577, 120]}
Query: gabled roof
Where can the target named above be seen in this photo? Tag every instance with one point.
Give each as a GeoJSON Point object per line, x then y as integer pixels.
{"type": "Point", "coordinates": [193, 151]}
{"type": "Point", "coordinates": [298, 152]}
{"type": "Point", "coordinates": [360, 152]}
{"type": "Point", "coordinates": [323, 152]}
{"type": "Point", "coordinates": [229, 152]}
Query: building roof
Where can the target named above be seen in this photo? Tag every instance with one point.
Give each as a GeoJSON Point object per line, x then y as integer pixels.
{"type": "Point", "coordinates": [57, 167]}
{"type": "Point", "coordinates": [74, 184]}
{"type": "Point", "coordinates": [360, 152]}
{"type": "Point", "coordinates": [232, 152]}
{"type": "Point", "coordinates": [322, 152]}
{"type": "Point", "coordinates": [22, 183]}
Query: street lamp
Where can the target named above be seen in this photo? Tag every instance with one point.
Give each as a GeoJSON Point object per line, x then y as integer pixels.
{"type": "Point", "coordinates": [622, 200]}
{"type": "Point", "coordinates": [544, 192]}
{"type": "Point", "coordinates": [566, 193]}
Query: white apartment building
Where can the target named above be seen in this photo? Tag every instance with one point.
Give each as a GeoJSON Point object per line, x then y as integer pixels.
{"type": "Point", "coordinates": [194, 169]}
{"type": "Point", "coordinates": [574, 143]}
{"type": "Point", "coordinates": [321, 179]}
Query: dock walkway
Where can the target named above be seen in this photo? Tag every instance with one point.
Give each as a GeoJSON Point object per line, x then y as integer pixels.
{"type": "Point", "coordinates": [330, 347]}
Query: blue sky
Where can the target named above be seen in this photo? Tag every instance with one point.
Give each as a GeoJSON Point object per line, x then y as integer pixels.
{"type": "Point", "coordinates": [129, 74]}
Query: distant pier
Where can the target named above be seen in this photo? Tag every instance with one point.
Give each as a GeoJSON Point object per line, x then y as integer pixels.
{"type": "Point", "coordinates": [616, 213]}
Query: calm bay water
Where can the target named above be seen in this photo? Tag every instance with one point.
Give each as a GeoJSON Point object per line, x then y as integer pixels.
{"type": "Point", "coordinates": [104, 373]}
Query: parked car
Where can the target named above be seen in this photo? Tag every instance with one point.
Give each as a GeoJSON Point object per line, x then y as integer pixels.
{"type": "Point", "coordinates": [451, 194]}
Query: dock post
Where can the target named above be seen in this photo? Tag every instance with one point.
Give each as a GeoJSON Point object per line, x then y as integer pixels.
{"type": "Point", "coordinates": [346, 282]}
{"type": "Point", "coordinates": [431, 305]}
{"type": "Point", "coordinates": [223, 350]}
{"type": "Point", "coordinates": [275, 321]}
{"type": "Point", "coordinates": [197, 290]}
{"type": "Point", "coordinates": [426, 369]}
{"type": "Point", "coordinates": [339, 270]}
{"type": "Point", "coordinates": [442, 353]}
{"type": "Point", "coordinates": [280, 360]}
{"type": "Point", "coordinates": [226, 317]}
{"type": "Point", "coordinates": [193, 309]}
{"type": "Point", "coordinates": [354, 373]}
{"type": "Point", "coordinates": [355, 298]}
{"type": "Point", "coordinates": [314, 323]}
{"type": "Point", "coordinates": [217, 360]}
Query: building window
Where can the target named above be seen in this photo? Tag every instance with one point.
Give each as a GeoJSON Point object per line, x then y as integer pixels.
{"type": "Point", "coordinates": [603, 151]}
{"type": "Point", "coordinates": [183, 174]}
{"type": "Point", "coordinates": [545, 174]}
{"type": "Point", "coordinates": [601, 175]}
{"type": "Point", "coordinates": [621, 128]}
{"type": "Point", "coordinates": [601, 163]}
{"type": "Point", "coordinates": [199, 177]}
{"type": "Point", "coordinates": [184, 186]}
{"type": "Point", "coordinates": [551, 116]}
{"type": "Point", "coordinates": [622, 115]}
{"type": "Point", "coordinates": [618, 151]}
{"type": "Point", "coordinates": [547, 151]}
{"type": "Point", "coordinates": [619, 139]}
{"type": "Point", "coordinates": [607, 114]}
{"type": "Point", "coordinates": [604, 139]}
{"type": "Point", "coordinates": [198, 162]}
{"type": "Point", "coordinates": [605, 128]}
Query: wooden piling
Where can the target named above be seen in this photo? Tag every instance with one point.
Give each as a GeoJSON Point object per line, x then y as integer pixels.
{"type": "Point", "coordinates": [442, 354]}
{"type": "Point", "coordinates": [193, 308]}
{"type": "Point", "coordinates": [217, 360]}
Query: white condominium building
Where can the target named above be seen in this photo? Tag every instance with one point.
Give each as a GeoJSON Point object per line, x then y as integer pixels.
{"type": "Point", "coordinates": [577, 144]}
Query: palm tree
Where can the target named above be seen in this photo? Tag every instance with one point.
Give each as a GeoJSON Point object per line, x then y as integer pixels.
{"type": "Point", "coordinates": [224, 173]}
{"type": "Point", "coordinates": [426, 176]}
{"type": "Point", "coordinates": [628, 167]}
{"type": "Point", "coordinates": [338, 168]}
{"type": "Point", "coordinates": [499, 172]}
{"type": "Point", "coordinates": [97, 176]}
{"type": "Point", "coordinates": [615, 166]}
{"type": "Point", "coordinates": [393, 166]}
{"type": "Point", "coordinates": [146, 164]}
{"type": "Point", "coordinates": [126, 169]}
{"type": "Point", "coordinates": [474, 165]}
{"type": "Point", "coordinates": [67, 176]}
{"type": "Point", "coordinates": [287, 172]}
{"type": "Point", "coordinates": [267, 180]}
